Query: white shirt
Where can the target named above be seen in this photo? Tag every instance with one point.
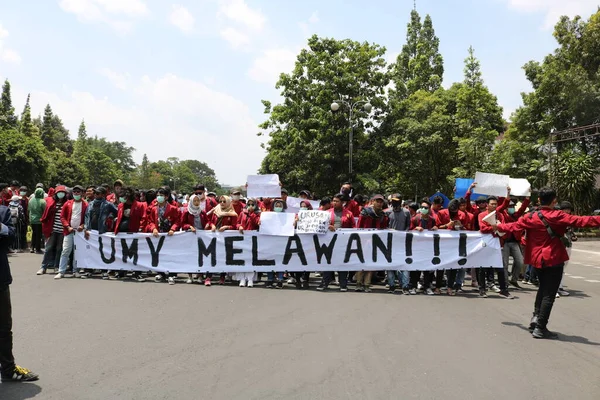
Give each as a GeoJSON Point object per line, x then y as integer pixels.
{"type": "Point", "coordinates": [76, 214]}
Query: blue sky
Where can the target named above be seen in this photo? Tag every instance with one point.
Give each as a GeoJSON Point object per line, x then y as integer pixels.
{"type": "Point", "coordinates": [185, 78]}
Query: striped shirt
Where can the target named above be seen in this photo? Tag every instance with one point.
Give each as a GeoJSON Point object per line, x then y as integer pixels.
{"type": "Point", "coordinates": [57, 227]}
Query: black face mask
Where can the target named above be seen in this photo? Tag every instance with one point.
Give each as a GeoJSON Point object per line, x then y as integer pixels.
{"type": "Point", "coordinates": [396, 204]}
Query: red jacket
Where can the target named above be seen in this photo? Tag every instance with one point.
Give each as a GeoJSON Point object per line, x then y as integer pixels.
{"type": "Point", "coordinates": [518, 235]}
{"type": "Point", "coordinates": [416, 221]}
{"type": "Point", "coordinates": [112, 197]}
{"type": "Point", "coordinates": [187, 220]}
{"type": "Point", "coordinates": [443, 218]}
{"type": "Point", "coordinates": [541, 250]}
{"type": "Point", "coordinates": [347, 218]}
{"type": "Point", "coordinates": [224, 221]}
{"type": "Point", "coordinates": [470, 221]}
{"type": "Point", "coordinates": [47, 219]}
{"type": "Point", "coordinates": [137, 216]}
{"type": "Point", "coordinates": [238, 207]}
{"type": "Point", "coordinates": [171, 213]}
{"type": "Point", "coordinates": [484, 227]}
{"type": "Point", "coordinates": [67, 211]}
{"type": "Point", "coordinates": [248, 222]}
{"type": "Point", "coordinates": [368, 220]}
{"type": "Point", "coordinates": [353, 207]}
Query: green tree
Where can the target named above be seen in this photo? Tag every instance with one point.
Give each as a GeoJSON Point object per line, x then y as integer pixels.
{"type": "Point", "coordinates": [100, 168]}
{"type": "Point", "coordinates": [308, 144]}
{"type": "Point", "coordinates": [8, 119]}
{"type": "Point", "coordinates": [66, 170]}
{"type": "Point", "coordinates": [54, 134]}
{"type": "Point", "coordinates": [575, 175]}
{"type": "Point", "coordinates": [119, 152]}
{"type": "Point", "coordinates": [22, 157]}
{"type": "Point", "coordinates": [202, 173]}
{"type": "Point", "coordinates": [27, 127]}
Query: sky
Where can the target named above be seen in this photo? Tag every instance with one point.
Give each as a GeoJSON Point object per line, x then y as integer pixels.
{"type": "Point", "coordinates": [185, 78]}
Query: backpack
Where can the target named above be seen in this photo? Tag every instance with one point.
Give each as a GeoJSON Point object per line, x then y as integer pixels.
{"type": "Point", "coordinates": [16, 214]}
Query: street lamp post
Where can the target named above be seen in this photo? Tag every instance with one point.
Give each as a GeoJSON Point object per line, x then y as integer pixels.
{"type": "Point", "coordinates": [335, 106]}
{"type": "Point", "coordinates": [174, 180]}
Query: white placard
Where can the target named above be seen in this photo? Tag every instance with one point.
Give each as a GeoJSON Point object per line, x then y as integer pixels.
{"type": "Point", "coordinates": [343, 250]}
{"type": "Point", "coordinates": [519, 187]}
{"type": "Point", "coordinates": [491, 184]}
{"type": "Point", "coordinates": [313, 222]}
{"type": "Point", "coordinates": [277, 224]}
{"type": "Point", "coordinates": [263, 186]}
{"type": "Point", "coordinates": [491, 219]}
{"type": "Point", "coordinates": [293, 204]}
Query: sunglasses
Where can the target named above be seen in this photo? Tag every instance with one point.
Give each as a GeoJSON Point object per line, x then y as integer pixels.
{"type": "Point", "coordinates": [199, 193]}
{"type": "Point", "coordinates": [426, 208]}
{"type": "Point", "coordinates": [223, 202]}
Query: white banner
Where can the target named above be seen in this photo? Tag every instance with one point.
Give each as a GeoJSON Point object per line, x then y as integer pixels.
{"type": "Point", "coordinates": [343, 250]}
{"type": "Point", "coordinates": [263, 186]}
{"type": "Point", "coordinates": [313, 222]}
{"type": "Point", "coordinates": [491, 184]}
{"type": "Point", "coordinates": [519, 187]}
{"type": "Point", "coordinates": [277, 223]}
{"type": "Point", "coordinates": [293, 204]}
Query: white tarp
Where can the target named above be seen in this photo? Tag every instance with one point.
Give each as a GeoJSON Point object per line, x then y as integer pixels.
{"type": "Point", "coordinates": [343, 250]}
{"type": "Point", "coordinates": [491, 184]}
{"type": "Point", "coordinates": [263, 186]}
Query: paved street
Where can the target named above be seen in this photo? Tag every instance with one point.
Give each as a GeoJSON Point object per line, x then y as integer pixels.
{"type": "Point", "coordinates": [94, 339]}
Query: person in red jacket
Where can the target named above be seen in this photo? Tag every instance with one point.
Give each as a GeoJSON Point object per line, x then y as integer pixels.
{"type": "Point", "coordinates": [423, 221]}
{"type": "Point", "coordinates": [349, 203]}
{"type": "Point", "coordinates": [372, 217]}
{"type": "Point", "coordinates": [340, 218]}
{"type": "Point", "coordinates": [453, 219]}
{"type": "Point", "coordinates": [480, 206]}
{"type": "Point", "coordinates": [53, 229]}
{"type": "Point", "coordinates": [162, 217]}
{"type": "Point", "coordinates": [237, 205]}
{"type": "Point", "coordinates": [222, 218]}
{"type": "Point", "coordinates": [484, 227]}
{"type": "Point", "coordinates": [131, 216]}
{"type": "Point", "coordinates": [193, 219]}
{"type": "Point", "coordinates": [248, 220]}
{"type": "Point", "coordinates": [546, 251]}
{"type": "Point", "coordinates": [72, 218]}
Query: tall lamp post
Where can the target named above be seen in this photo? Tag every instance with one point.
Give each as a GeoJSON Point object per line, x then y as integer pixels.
{"type": "Point", "coordinates": [174, 180]}
{"type": "Point", "coordinates": [335, 106]}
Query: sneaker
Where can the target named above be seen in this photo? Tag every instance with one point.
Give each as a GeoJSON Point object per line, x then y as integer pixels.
{"type": "Point", "coordinates": [405, 291]}
{"type": "Point", "coordinates": [20, 374]}
{"type": "Point", "coordinates": [318, 274]}
{"type": "Point", "coordinates": [495, 288]}
{"type": "Point", "coordinates": [207, 282]}
{"type": "Point", "coordinates": [429, 292]}
{"type": "Point", "coordinates": [41, 271]}
{"type": "Point", "coordinates": [85, 275]}
{"type": "Point", "coordinates": [367, 289]}
{"type": "Point", "coordinates": [543, 333]}
{"type": "Point", "coordinates": [139, 278]}
{"type": "Point", "coordinates": [158, 278]}
{"type": "Point", "coordinates": [533, 323]}
{"type": "Point", "coordinates": [412, 291]}
{"type": "Point", "coordinates": [526, 282]}
{"type": "Point", "coordinates": [250, 283]}
{"type": "Point", "coordinates": [222, 281]}
{"type": "Point", "coordinates": [269, 284]}
{"type": "Point", "coordinates": [321, 288]}
{"type": "Point", "coordinates": [171, 280]}
{"type": "Point", "coordinates": [506, 295]}
{"type": "Point", "coordinates": [391, 289]}
{"type": "Point", "coordinates": [563, 292]}
{"type": "Point", "coordinates": [557, 296]}
{"type": "Point", "coordinates": [334, 283]}
{"type": "Point", "coordinates": [387, 285]}
{"type": "Point", "coordinates": [483, 294]}
{"type": "Point", "coordinates": [343, 289]}
{"type": "Point", "coordinates": [189, 281]}
{"type": "Point", "coordinates": [105, 276]}
{"type": "Point", "coordinates": [291, 281]}
{"type": "Point", "coordinates": [515, 284]}
{"type": "Point", "coordinates": [243, 283]}
{"type": "Point", "coordinates": [76, 275]}
{"type": "Point", "coordinates": [279, 285]}
{"type": "Point", "coordinates": [437, 291]}
{"type": "Point", "coordinates": [59, 276]}
{"type": "Point", "coordinates": [305, 285]}
{"type": "Point", "coordinates": [359, 288]}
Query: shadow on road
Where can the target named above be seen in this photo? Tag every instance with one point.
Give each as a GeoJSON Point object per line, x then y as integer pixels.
{"type": "Point", "coordinates": [577, 294]}
{"type": "Point", "coordinates": [561, 337]}
{"type": "Point", "coordinates": [19, 390]}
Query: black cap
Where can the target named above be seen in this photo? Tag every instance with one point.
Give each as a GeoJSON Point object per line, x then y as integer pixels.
{"type": "Point", "coordinates": [100, 189]}
{"type": "Point", "coordinates": [305, 192]}
{"type": "Point", "coordinates": [78, 187]}
{"type": "Point", "coordinates": [284, 191]}
{"type": "Point", "coordinates": [397, 196]}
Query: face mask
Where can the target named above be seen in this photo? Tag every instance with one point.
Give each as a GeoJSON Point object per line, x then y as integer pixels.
{"type": "Point", "coordinates": [122, 199]}
{"type": "Point", "coordinates": [60, 195]}
{"type": "Point", "coordinates": [235, 197]}
{"type": "Point", "coordinates": [396, 204]}
{"type": "Point", "coordinates": [303, 208]}
{"type": "Point", "coordinates": [511, 210]}
{"type": "Point", "coordinates": [424, 211]}
{"type": "Point", "coordinates": [77, 197]}
{"type": "Point", "coordinates": [160, 199]}
{"type": "Point", "coordinates": [250, 208]}
{"type": "Point", "coordinates": [22, 193]}
{"type": "Point", "coordinates": [278, 209]}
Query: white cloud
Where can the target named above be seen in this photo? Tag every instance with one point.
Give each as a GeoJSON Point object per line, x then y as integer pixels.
{"type": "Point", "coordinates": [305, 26]}
{"type": "Point", "coordinates": [554, 9]}
{"type": "Point", "coordinates": [118, 14]}
{"type": "Point", "coordinates": [235, 37]}
{"type": "Point", "coordinates": [169, 116]}
{"type": "Point", "coordinates": [271, 63]}
{"type": "Point", "coordinates": [239, 11]}
{"type": "Point", "coordinates": [182, 18]}
{"type": "Point", "coordinates": [7, 54]}
{"type": "Point", "coordinates": [120, 81]}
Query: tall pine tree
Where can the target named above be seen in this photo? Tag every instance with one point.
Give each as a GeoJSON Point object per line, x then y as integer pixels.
{"type": "Point", "coordinates": [8, 119]}
{"type": "Point", "coordinates": [27, 126]}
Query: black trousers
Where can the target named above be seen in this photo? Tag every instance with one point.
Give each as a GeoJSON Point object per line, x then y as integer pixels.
{"type": "Point", "coordinates": [7, 361]}
{"type": "Point", "coordinates": [501, 277]}
{"type": "Point", "coordinates": [329, 276]}
{"type": "Point", "coordinates": [549, 282]}
{"type": "Point", "coordinates": [37, 238]}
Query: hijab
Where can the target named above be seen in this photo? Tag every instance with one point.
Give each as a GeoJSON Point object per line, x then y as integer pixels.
{"type": "Point", "coordinates": [192, 209]}
{"type": "Point", "coordinates": [224, 210]}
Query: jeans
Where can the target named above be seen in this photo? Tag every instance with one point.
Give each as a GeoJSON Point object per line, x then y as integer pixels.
{"type": "Point", "coordinates": [7, 361]}
{"type": "Point", "coordinates": [512, 249]}
{"type": "Point", "coordinates": [37, 238]}
{"type": "Point", "coordinates": [549, 282]}
{"type": "Point", "coordinates": [271, 276]}
{"type": "Point", "coordinates": [501, 278]}
{"type": "Point", "coordinates": [67, 248]}
{"type": "Point", "coordinates": [531, 274]}
{"type": "Point", "coordinates": [328, 277]}
{"type": "Point", "coordinates": [403, 277]}
{"type": "Point", "coordinates": [460, 278]}
{"type": "Point", "coordinates": [53, 250]}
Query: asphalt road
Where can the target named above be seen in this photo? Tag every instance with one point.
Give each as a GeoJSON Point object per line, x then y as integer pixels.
{"type": "Point", "coordinates": [94, 339]}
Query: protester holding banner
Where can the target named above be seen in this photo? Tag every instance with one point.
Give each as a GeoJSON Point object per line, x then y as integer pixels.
{"type": "Point", "coordinates": [131, 216]}
{"type": "Point", "coordinates": [399, 220]}
{"type": "Point", "coordinates": [279, 207]}
{"type": "Point", "coordinates": [72, 219]}
{"type": "Point", "coordinates": [546, 251]}
{"type": "Point", "coordinates": [372, 217]}
{"type": "Point", "coordinates": [454, 219]}
{"type": "Point", "coordinates": [422, 221]}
